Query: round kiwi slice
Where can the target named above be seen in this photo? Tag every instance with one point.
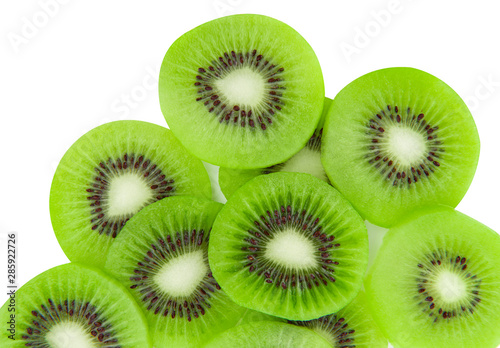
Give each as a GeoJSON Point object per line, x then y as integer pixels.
{"type": "Point", "coordinates": [352, 326]}
{"type": "Point", "coordinates": [108, 175]}
{"type": "Point", "coordinates": [268, 334]}
{"type": "Point", "coordinates": [306, 160]}
{"type": "Point", "coordinates": [435, 282]}
{"type": "Point", "coordinates": [289, 245]}
{"type": "Point", "coordinates": [161, 256]}
{"type": "Point", "coordinates": [73, 306]}
{"type": "Point", "coordinates": [232, 90]}
{"type": "Point", "coordinates": [398, 139]}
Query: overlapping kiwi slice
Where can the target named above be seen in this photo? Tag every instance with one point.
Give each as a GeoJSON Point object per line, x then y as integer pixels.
{"type": "Point", "coordinates": [268, 334]}
{"type": "Point", "coordinates": [306, 160]}
{"type": "Point", "coordinates": [73, 306]}
{"type": "Point", "coordinates": [161, 256]}
{"type": "Point", "coordinates": [397, 139]}
{"type": "Point", "coordinates": [108, 175]}
{"type": "Point", "coordinates": [351, 327]}
{"type": "Point", "coordinates": [235, 87]}
{"type": "Point", "coordinates": [435, 282]}
{"type": "Point", "coordinates": [288, 244]}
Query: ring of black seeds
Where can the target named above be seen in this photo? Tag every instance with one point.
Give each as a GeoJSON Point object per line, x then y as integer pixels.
{"type": "Point", "coordinates": [161, 253]}
{"type": "Point", "coordinates": [271, 273]}
{"type": "Point", "coordinates": [98, 189]}
{"type": "Point", "coordinates": [425, 298]}
{"type": "Point", "coordinates": [216, 103]}
{"type": "Point", "coordinates": [314, 142]}
{"type": "Point", "coordinates": [393, 171]}
{"type": "Point", "coordinates": [99, 330]}
{"type": "Point", "coordinates": [336, 326]}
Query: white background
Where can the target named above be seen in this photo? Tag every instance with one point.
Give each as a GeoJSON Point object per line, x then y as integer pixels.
{"type": "Point", "coordinates": [72, 65]}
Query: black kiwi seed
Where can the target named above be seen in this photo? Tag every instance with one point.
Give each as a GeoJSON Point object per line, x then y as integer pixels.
{"type": "Point", "coordinates": [160, 253]}
{"type": "Point", "coordinates": [82, 313]}
{"type": "Point", "coordinates": [98, 189]}
{"type": "Point", "coordinates": [377, 156]}
{"type": "Point", "coordinates": [425, 297]}
{"type": "Point", "coordinates": [209, 95]}
{"type": "Point", "coordinates": [278, 220]}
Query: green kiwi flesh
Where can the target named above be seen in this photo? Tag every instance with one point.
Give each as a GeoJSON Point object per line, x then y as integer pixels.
{"type": "Point", "coordinates": [398, 139]}
{"type": "Point", "coordinates": [108, 175]}
{"type": "Point", "coordinates": [268, 334]}
{"type": "Point", "coordinates": [161, 256]}
{"type": "Point", "coordinates": [435, 282]}
{"type": "Point", "coordinates": [351, 327]}
{"type": "Point", "coordinates": [235, 88]}
{"type": "Point", "coordinates": [289, 245]}
{"type": "Point", "coordinates": [73, 306]}
{"type": "Point", "coordinates": [307, 160]}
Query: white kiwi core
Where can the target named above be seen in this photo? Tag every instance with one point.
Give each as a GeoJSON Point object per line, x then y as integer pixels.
{"type": "Point", "coordinates": [450, 287]}
{"type": "Point", "coordinates": [406, 145]}
{"type": "Point", "coordinates": [128, 193]}
{"type": "Point", "coordinates": [244, 87]}
{"type": "Point", "coordinates": [291, 249]}
{"type": "Point", "coordinates": [69, 335]}
{"type": "Point", "coordinates": [183, 274]}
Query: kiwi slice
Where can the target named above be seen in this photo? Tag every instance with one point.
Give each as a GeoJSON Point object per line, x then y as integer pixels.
{"type": "Point", "coordinates": [161, 256]}
{"type": "Point", "coordinates": [232, 90]}
{"type": "Point", "coordinates": [398, 139]}
{"type": "Point", "coordinates": [268, 335]}
{"type": "Point", "coordinates": [435, 282]}
{"type": "Point", "coordinates": [108, 175]}
{"type": "Point", "coordinates": [352, 326]}
{"type": "Point", "coordinates": [306, 160]}
{"type": "Point", "coordinates": [73, 306]}
{"type": "Point", "coordinates": [289, 245]}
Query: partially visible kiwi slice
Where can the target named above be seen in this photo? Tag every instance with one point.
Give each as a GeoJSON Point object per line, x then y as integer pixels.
{"type": "Point", "coordinates": [288, 244]}
{"type": "Point", "coordinates": [306, 160]}
{"type": "Point", "coordinates": [235, 88]}
{"type": "Point", "coordinates": [398, 139]}
{"type": "Point", "coordinates": [108, 175]}
{"type": "Point", "coordinates": [352, 326]}
{"type": "Point", "coordinates": [161, 256]}
{"type": "Point", "coordinates": [436, 282]}
{"type": "Point", "coordinates": [268, 335]}
{"type": "Point", "coordinates": [73, 306]}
